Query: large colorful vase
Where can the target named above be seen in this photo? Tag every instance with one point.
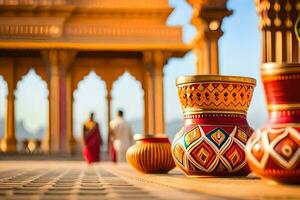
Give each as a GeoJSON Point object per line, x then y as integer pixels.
{"type": "Point", "coordinates": [274, 151]}
{"type": "Point", "coordinates": [213, 138]}
{"type": "Point", "coordinates": [151, 154]}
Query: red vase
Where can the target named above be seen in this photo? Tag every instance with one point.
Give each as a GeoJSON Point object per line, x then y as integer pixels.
{"type": "Point", "coordinates": [273, 152]}
{"type": "Point", "coordinates": [213, 138]}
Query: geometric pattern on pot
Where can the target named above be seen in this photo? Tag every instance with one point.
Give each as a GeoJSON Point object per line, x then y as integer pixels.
{"type": "Point", "coordinates": [234, 96]}
{"type": "Point", "coordinates": [206, 146]}
{"type": "Point", "coordinates": [280, 144]}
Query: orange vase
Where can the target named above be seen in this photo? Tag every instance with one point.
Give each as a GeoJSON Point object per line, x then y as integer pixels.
{"type": "Point", "coordinates": [273, 151]}
{"type": "Point", "coordinates": [215, 131]}
{"type": "Point", "coordinates": [151, 154]}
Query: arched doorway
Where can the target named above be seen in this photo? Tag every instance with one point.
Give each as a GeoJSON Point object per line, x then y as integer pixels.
{"type": "Point", "coordinates": [32, 107]}
{"type": "Point", "coordinates": [90, 96]}
{"type": "Point", "coordinates": [127, 94]}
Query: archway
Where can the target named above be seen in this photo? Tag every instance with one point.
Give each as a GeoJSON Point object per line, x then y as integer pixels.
{"type": "Point", "coordinates": [3, 100]}
{"type": "Point", "coordinates": [32, 107]}
{"type": "Point", "coordinates": [127, 95]}
{"type": "Point", "coordinates": [90, 96]}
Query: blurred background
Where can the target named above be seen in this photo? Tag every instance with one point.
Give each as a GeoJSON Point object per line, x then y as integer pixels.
{"type": "Point", "coordinates": [239, 55]}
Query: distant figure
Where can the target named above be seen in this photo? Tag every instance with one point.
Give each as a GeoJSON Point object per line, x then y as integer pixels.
{"type": "Point", "coordinates": [121, 136]}
{"type": "Point", "coordinates": [92, 140]}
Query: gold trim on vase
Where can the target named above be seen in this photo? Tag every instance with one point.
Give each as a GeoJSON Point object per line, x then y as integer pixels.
{"type": "Point", "coordinates": [182, 80]}
{"type": "Point", "coordinates": [149, 136]}
{"type": "Point", "coordinates": [273, 107]}
{"type": "Point", "coordinates": [216, 111]}
{"type": "Point", "coordinates": [269, 69]}
{"type": "Point", "coordinates": [282, 77]}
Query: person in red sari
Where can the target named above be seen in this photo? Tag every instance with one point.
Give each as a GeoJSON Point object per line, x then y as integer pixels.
{"type": "Point", "coordinates": [92, 140]}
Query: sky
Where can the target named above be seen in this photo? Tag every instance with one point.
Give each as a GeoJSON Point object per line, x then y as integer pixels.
{"type": "Point", "coordinates": [239, 55]}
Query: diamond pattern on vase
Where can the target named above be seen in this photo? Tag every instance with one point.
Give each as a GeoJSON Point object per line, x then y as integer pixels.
{"type": "Point", "coordinates": [285, 148]}
{"type": "Point", "coordinates": [283, 145]}
{"type": "Point", "coordinates": [203, 155]}
{"type": "Point", "coordinates": [210, 149]}
{"type": "Point", "coordinates": [235, 155]}
{"type": "Point", "coordinates": [258, 151]}
{"type": "Point", "coordinates": [255, 149]}
{"type": "Point", "coordinates": [218, 137]}
{"type": "Point", "coordinates": [241, 136]}
{"type": "Point", "coordinates": [179, 153]}
{"type": "Point", "coordinates": [192, 136]}
{"type": "Point", "coordinates": [216, 95]}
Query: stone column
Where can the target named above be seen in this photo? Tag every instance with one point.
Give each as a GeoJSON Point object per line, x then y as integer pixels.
{"type": "Point", "coordinates": [154, 122]}
{"type": "Point", "coordinates": [159, 63]}
{"type": "Point", "coordinates": [277, 19]}
{"type": "Point", "coordinates": [148, 85]}
{"type": "Point", "coordinates": [9, 142]}
{"type": "Point", "coordinates": [70, 134]}
{"type": "Point", "coordinates": [207, 18]}
{"type": "Point", "coordinates": [58, 63]}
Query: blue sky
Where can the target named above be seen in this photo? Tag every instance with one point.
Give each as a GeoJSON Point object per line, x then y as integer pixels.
{"type": "Point", "coordinates": [239, 55]}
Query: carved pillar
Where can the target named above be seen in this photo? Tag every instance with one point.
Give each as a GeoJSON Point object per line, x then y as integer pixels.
{"type": "Point", "coordinates": [154, 122]}
{"type": "Point", "coordinates": [159, 63]}
{"type": "Point", "coordinates": [148, 84]}
{"type": "Point", "coordinates": [9, 142]}
{"type": "Point", "coordinates": [58, 63]}
{"type": "Point", "coordinates": [277, 19]}
{"type": "Point", "coordinates": [207, 18]}
{"type": "Point", "coordinates": [70, 134]}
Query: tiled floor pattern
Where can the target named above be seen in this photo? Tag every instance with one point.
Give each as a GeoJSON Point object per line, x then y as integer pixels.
{"type": "Point", "coordinates": [66, 183]}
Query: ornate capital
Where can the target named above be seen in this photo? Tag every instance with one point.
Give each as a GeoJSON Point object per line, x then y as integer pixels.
{"type": "Point", "coordinates": [155, 61]}
{"type": "Point", "coordinates": [208, 17]}
{"type": "Point", "coordinates": [58, 61]}
{"type": "Point", "coordinates": [277, 14]}
{"type": "Point", "coordinates": [277, 20]}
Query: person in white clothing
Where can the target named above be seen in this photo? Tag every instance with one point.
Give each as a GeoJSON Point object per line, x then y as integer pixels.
{"type": "Point", "coordinates": [121, 136]}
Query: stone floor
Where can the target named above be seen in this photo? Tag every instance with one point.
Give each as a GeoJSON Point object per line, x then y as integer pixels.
{"type": "Point", "coordinates": [30, 180]}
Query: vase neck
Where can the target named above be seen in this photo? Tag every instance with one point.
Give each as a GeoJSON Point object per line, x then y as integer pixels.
{"type": "Point", "coordinates": [216, 118]}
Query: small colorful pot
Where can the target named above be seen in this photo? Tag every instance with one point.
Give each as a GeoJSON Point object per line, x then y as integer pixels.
{"type": "Point", "coordinates": [151, 154]}
{"type": "Point", "coordinates": [273, 152]}
{"type": "Point", "coordinates": [213, 138]}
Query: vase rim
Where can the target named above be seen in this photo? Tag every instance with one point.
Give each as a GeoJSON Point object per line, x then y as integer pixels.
{"type": "Point", "coordinates": [272, 68]}
{"type": "Point", "coordinates": [214, 78]}
{"type": "Point", "coordinates": [149, 136]}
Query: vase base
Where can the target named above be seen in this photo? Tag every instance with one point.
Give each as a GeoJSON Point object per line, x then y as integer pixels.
{"type": "Point", "coordinates": [242, 172]}
{"type": "Point", "coordinates": [280, 176]}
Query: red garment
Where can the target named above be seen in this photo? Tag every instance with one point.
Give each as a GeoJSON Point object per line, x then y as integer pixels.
{"type": "Point", "coordinates": [113, 153]}
{"type": "Point", "coordinates": [92, 142]}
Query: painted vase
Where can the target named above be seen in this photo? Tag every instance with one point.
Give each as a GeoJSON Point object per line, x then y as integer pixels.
{"type": "Point", "coordinates": [273, 151]}
{"type": "Point", "coordinates": [151, 154]}
{"type": "Point", "coordinates": [213, 138]}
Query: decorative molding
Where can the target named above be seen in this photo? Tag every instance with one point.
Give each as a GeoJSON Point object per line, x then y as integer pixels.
{"type": "Point", "coordinates": [28, 30]}
{"type": "Point", "coordinates": [90, 3]}
{"type": "Point", "coordinates": [147, 33]}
